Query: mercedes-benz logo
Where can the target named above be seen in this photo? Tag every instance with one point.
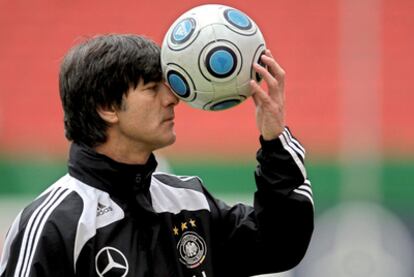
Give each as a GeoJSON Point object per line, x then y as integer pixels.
{"type": "Point", "coordinates": [110, 262]}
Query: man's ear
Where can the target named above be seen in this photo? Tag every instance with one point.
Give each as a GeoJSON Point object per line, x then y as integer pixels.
{"type": "Point", "coordinates": [108, 114]}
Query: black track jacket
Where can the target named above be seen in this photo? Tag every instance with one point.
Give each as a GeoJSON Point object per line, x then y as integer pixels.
{"type": "Point", "coordinates": [113, 220]}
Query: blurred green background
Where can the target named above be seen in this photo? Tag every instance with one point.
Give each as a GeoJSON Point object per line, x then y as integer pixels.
{"type": "Point", "coordinates": [226, 179]}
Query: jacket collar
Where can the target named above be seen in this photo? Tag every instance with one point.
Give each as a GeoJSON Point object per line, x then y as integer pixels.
{"type": "Point", "coordinates": [102, 172]}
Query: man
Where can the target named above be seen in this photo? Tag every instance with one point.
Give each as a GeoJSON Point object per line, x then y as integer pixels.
{"type": "Point", "coordinates": [111, 215]}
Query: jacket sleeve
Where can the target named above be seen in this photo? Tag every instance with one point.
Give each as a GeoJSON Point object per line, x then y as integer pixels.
{"type": "Point", "coordinates": [274, 235]}
{"type": "Point", "coordinates": [38, 244]}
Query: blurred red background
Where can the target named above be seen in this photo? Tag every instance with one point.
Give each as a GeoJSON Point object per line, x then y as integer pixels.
{"type": "Point", "coordinates": [303, 36]}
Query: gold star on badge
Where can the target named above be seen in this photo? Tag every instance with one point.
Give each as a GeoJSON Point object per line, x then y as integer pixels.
{"type": "Point", "coordinates": [192, 223]}
{"type": "Point", "coordinates": [184, 226]}
{"type": "Point", "coordinates": [175, 230]}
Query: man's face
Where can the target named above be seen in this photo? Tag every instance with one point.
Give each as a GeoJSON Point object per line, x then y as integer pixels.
{"type": "Point", "coordinates": [146, 118]}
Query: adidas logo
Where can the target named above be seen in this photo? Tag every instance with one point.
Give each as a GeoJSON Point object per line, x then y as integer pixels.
{"type": "Point", "coordinates": [102, 209]}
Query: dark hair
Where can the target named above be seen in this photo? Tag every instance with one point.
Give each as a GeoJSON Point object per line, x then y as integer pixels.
{"type": "Point", "coordinates": [97, 73]}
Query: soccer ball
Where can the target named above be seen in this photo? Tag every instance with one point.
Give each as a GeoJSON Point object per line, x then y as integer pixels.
{"type": "Point", "coordinates": [207, 56]}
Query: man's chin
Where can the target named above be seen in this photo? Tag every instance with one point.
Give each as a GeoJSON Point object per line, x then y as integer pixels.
{"type": "Point", "coordinates": [167, 142]}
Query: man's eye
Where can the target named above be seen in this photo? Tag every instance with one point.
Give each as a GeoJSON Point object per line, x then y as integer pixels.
{"type": "Point", "coordinates": [154, 87]}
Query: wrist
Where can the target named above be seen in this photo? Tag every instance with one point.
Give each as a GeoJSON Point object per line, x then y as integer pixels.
{"type": "Point", "coordinates": [274, 134]}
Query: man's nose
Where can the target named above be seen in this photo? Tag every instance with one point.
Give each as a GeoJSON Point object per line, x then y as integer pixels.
{"type": "Point", "coordinates": [171, 98]}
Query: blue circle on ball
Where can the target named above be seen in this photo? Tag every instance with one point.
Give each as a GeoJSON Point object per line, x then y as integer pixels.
{"type": "Point", "coordinates": [221, 62]}
{"type": "Point", "coordinates": [238, 19]}
{"type": "Point", "coordinates": [178, 84]}
{"type": "Point", "coordinates": [226, 104]}
{"type": "Point", "coordinates": [183, 30]}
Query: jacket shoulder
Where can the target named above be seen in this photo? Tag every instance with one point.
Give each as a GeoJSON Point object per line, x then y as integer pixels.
{"type": "Point", "coordinates": [177, 181]}
{"type": "Point", "coordinates": [173, 194]}
{"type": "Point", "coordinates": [66, 215]}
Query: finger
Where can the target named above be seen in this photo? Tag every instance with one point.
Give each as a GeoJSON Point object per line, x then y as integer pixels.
{"type": "Point", "coordinates": [254, 87]}
{"type": "Point", "coordinates": [267, 76]}
{"type": "Point", "coordinates": [275, 69]}
{"type": "Point", "coordinates": [269, 54]}
{"type": "Point", "coordinates": [255, 100]}
{"type": "Point", "coordinates": [275, 87]}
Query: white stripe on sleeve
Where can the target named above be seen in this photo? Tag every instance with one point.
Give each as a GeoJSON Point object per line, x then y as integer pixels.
{"type": "Point", "coordinates": [11, 235]}
{"type": "Point", "coordinates": [34, 228]}
{"type": "Point", "coordinates": [305, 190]}
{"type": "Point", "coordinates": [293, 146]}
{"type": "Point", "coordinates": [295, 141]}
{"type": "Point", "coordinates": [293, 153]}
